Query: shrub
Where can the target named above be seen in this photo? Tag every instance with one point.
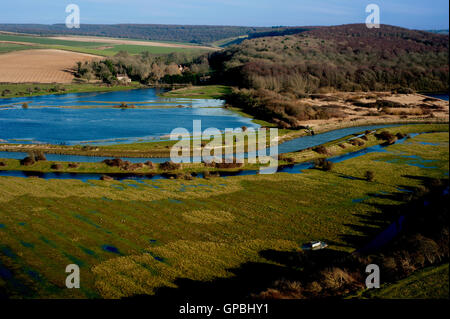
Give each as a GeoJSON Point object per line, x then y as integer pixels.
{"type": "Point", "coordinates": [117, 162]}
{"type": "Point", "coordinates": [74, 165]}
{"type": "Point", "coordinates": [56, 166]}
{"type": "Point", "coordinates": [369, 176]}
{"type": "Point", "coordinates": [335, 278]}
{"type": "Point", "coordinates": [228, 165]}
{"type": "Point", "coordinates": [323, 164]}
{"type": "Point", "coordinates": [169, 166]}
{"type": "Point", "coordinates": [289, 160]}
{"type": "Point", "coordinates": [386, 136]}
{"type": "Point", "coordinates": [321, 150]}
{"type": "Point", "coordinates": [2, 164]}
{"type": "Point", "coordinates": [356, 142]}
{"type": "Point", "coordinates": [150, 164]}
{"type": "Point", "coordinates": [28, 161]}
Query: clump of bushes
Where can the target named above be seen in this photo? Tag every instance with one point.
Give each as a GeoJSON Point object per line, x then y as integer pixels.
{"type": "Point", "coordinates": [32, 158]}
{"type": "Point", "coordinates": [117, 162]}
{"type": "Point", "coordinates": [289, 160]}
{"type": "Point", "coordinates": [28, 161]}
{"type": "Point", "coordinates": [389, 138]}
{"type": "Point", "coordinates": [125, 165]}
{"type": "Point", "coordinates": [169, 166]}
{"type": "Point", "coordinates": [323, 164]}
{"type": "Point", "coordinates": [73, 165]}
{"type": "Point", "coordinates": [6, 92]}
{"type": "Point", "coordinates": [56, 166]}
{"type": "Point", "coordinates": [2, 164]}
{"type": "Point", "coordinates": [208, 174]}
{"type": "Point", "coordinates": [357, 142]}
{"type": "Point", "coordinates": [228, 165]}
{"type": "Point", "coordinates": [369, 176]}
{"type": "Point", "coordinates": [321, 150]}
{"type": "Point", "coordinates": [150, 164]}
{"type": "Point", "coordinates": [125, 106]}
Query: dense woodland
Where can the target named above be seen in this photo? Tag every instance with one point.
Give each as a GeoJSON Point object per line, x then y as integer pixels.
{"type": "Point", "coordinates": [345, 58]}
{"type": "Point", "coordinates": [146, 68]}
{"type": "Point", "coordinates": [272, 73]}
{"type": "Point", "coordinates": [160, 32]}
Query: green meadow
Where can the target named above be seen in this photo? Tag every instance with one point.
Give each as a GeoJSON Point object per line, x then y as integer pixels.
{"type": "Point", "coordinates": [132, 238]}
{"type": "Point", "coordinates": [429, 283]}
{"type": "Point", "coordinates": [199, 92]}
{"type": "Point", "coordinates": [10, 47]}
{"type": "Point", "coordinates": [96, 48]}
{"type": "Point", "coordinates": [24, 90]}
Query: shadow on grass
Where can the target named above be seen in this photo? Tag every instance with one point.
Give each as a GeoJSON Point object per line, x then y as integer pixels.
{"type": "Point", "coordinates": [252, 278]}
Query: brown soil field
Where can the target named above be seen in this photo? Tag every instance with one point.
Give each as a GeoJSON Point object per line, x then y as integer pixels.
{"type": "Point", "coordinates": [40, 66]}
{"type": "Point", "coordinates": [130, 42]}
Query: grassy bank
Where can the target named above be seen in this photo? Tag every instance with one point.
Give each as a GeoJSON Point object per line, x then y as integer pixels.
{"type": "Point", "coordinates": [29, 90]}
{"type": "Point", "coordinates": [162, 148]}
{"type": "Point", "coordinates": [149, 235]}
{"type": "Point", "coordinates": [199, 92]}
{"type": "Point", "coordinates": [429, 283]}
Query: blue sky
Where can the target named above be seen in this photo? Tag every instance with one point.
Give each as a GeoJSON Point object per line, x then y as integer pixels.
{"type": "Point", "coordinates": [417, 14]}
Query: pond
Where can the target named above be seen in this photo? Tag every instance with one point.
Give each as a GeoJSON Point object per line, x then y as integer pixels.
{"type": "Point", "coordinates": [107, 125]}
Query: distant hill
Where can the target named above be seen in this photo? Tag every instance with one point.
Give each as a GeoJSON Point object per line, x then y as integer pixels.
{"type": "Point", "coordinates": [179, 33]}
{"type": "Point", "coordinates": [348, 57]}
{"type": "Point", "coordinates": [439, 31]}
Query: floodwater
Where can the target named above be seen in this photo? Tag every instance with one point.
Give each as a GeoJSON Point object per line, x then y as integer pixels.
{"type": "Point", "coordinates": [57, 124]}
{"type": "Point", "coordinates": [291, 169]}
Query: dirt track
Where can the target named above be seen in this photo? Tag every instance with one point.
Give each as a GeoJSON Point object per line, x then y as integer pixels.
{"type": "Point", "coordinates": [40, 66]}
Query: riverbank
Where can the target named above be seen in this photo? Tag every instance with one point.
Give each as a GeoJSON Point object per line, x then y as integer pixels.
{"type": "Point", "coordinates": [40, 89]}
{"type": "Point", "coordinates": [161, 149]}
{"type": "Point", "coordinates": [199, 92]}
{"type": "Point", "coordinates": [350, 144]}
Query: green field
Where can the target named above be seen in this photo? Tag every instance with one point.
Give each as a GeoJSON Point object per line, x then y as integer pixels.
{"type": "Point", "coordinates": [199, 92]}
{"type": "Point", "coordinates": [429, 283]}
{"type": "Point", "coordinates": [10, 47]}
{"type": "Point", "coordinates": [20, 90]}
{"type": "Point", "coordinates": [96, 48]}
{"type": "Point", "coordinates": [131, 238]}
